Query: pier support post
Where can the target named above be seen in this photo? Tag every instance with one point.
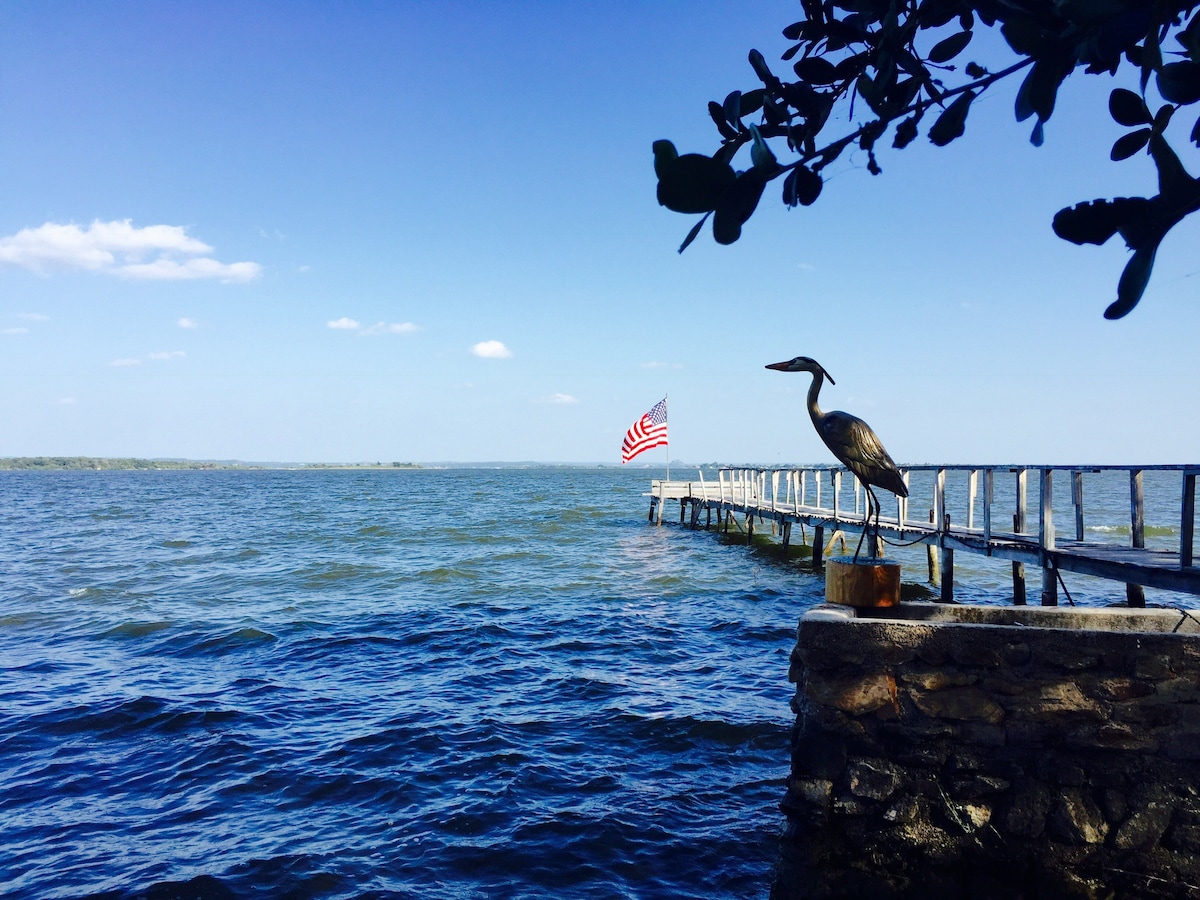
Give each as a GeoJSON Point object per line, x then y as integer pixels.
{"type": "Point", "coordinates": [933, 560]}
{"type": "Point", "coordinates": [1135, 594]}
{"type": "Point", "coordinates": [948, 576]}
{"type": "Point", "coordinates": [787, 537]}
{"type": "Point", "coordinates": [749, 530]}
{"type": "Point", "coordinates": [818, 547]}
{"type": "Point", "coordinates": [1046, 537]}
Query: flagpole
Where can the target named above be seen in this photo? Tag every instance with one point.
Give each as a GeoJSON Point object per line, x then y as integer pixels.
{"type": "Point", "coordinates": [668, 444]}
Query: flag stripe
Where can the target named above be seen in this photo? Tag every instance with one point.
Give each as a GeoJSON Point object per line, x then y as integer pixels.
{"type": "Point", "coordinates": [647, 432]}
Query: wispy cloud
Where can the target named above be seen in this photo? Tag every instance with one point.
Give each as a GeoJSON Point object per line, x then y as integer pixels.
{"type": "Point", "coordinates": [20, 329]}
{"type": "Point", "coordinates": [185, 322]}
{"type": "Point", "coordinates": [67, 401]}
{"type": "Point", "coordinates": [126, 361]}
{"type": "Point", "coordinates": [563, 398]}
{"type": "Point", "coordinates": [345, 323]}
{"type": "Point", "coordinates": [168, 354]}
{"type": "Point", "coordinates": [150, 253]}
{"type": "Point", "coordinates": [660, 365]}
{"type": "Point", "coordinates": [33, 317]}
{"type": "Point", "coordinates": [491, 350]}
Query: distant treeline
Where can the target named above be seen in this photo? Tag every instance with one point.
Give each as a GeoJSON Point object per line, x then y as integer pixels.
{"type": "Point", "coordinates": [60, 463]}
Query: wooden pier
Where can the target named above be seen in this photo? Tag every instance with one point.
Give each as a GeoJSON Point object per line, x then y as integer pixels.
{"type": "Point", "coordinates": [813, 497]}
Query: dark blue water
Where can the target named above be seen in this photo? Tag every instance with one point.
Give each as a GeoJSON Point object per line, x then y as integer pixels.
{"type": "Point", "coordinates": [435, 684]}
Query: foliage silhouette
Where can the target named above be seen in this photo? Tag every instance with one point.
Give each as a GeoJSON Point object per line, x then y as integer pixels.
{"type": "Point", "coordinates": [853, 53]}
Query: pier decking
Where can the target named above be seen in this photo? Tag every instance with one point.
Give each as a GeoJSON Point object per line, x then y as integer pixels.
{"type": "Point", "coordinates": [813, 497]}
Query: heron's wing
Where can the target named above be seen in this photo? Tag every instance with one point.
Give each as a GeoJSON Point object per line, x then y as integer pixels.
{"type": "Point", "coordinates": [855, 444]}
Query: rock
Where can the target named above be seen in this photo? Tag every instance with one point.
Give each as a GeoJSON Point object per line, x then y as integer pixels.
{"type": "Point", "coordinates": [854, 695]}
{"type": "Point", "coordinates": [962, 704]}
{"type": "Point", "coordinates": [1077, 820]}
{"type": "Point", "coordinates": [874, 779]}
{"type": "Point", "coordinates": [1144, 828]}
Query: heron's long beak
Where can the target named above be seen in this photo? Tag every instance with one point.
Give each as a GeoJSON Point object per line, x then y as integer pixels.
{"type": "Point", "coordinates": [827, 375]}
{"type": "Point", "coordinates": [779, 367]}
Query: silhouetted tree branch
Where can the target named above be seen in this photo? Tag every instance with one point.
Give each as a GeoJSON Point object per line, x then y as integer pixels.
{"type": "Point", "coordinates": [850, 53]}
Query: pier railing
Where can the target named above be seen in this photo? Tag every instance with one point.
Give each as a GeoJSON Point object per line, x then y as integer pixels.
{"type": "Point", "coordinates": [978, 509]}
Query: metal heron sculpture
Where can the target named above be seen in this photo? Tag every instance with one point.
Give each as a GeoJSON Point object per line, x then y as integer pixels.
{"type": "Point", "coordinates": [851, 440]}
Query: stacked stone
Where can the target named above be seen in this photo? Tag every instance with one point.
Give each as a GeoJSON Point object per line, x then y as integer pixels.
{"type": "Point", "coordinates": [993, 760]}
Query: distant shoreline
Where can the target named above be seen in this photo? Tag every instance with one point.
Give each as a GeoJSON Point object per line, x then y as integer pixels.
{"type": "Point", "coordinates": [96, 463]}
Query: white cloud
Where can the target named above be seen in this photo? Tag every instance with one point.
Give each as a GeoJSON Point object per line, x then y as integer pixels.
{"type": "Point", "coordinates": [345, 323]}
{"type": "Point", "coordinates": [172, 354]}
{"type": "Point", "coordinates": [185, 322]}
{"type": "Point", "coordinates": [33, 317]}
{"type": "Point", "coordinates": [391, 328]}
{"type": "Point", "coordinates": [563, 398]}
{"type": "Point", "coordinates": [127, 361]}
{"type": "Point", "coordinates": [654, 365]}
{"type": "Point", "coordinates": [67, 401]}
{"type": "Point", "coordinates": [491, 350]}
{"type": "Point", "coordinates": [119, 248]}
{"type": "Point", "coordinates": [17, 330]}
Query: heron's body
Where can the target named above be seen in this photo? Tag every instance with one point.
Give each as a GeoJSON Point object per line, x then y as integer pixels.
{"type": "Point", "coordinates": [848, 437]}
{"type": "Point", "coordinates": [855, 445]}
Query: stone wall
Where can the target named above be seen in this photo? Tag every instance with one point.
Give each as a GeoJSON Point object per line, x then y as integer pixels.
{"type": "Point", "coordinates": [953, 751]}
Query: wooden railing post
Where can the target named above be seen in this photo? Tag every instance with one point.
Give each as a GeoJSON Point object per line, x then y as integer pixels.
{"type": "Point", "coordinates": [989, 480]}
{"type": "Point", "coordinates": [1135, 593]}
{"type": "Point", "coordinates": [972, 490]}
{"type": "Point", "coordinates": [1077, 502]}
{"type": "Point", "coordinates": [1187, 524]}
{"type": "Point", "coordinates": [1046, 536]}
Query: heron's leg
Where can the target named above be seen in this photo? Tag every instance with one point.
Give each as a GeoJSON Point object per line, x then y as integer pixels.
{"type": "Point", "coordinates": [866, 523]}
{"type": "Point", "coordinates": [876, 499]}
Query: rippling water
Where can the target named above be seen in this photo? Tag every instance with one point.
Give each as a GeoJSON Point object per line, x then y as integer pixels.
{"type": "Point", "coordinates": [456, 683]}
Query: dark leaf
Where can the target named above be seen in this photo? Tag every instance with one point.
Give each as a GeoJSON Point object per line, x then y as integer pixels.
{"type": "Point", "coordinates": [1133, 282]}
{"type": "Point", "coordinates": [791, 51]}
{"type": "Point", "coordinates": [903, 93]}
{"type": "Point", "coordinates": [1162, 118]}
{"type": "Point", "coordinates": [1097, 221]}
{"type": "Point", "coordinates": [718, 116]}
{"type": "Point", "coordinates": [691, 183]}
{"type": "Point", "coordinates": [1130, 144]}
{"type": "Point", "coordinates": [793, 31]}
{"type": "Point", "coordinates": [1195, 135]}
{"type": "Point", "coordinates": [737, 206]}
{"type": "Point", "coordinates": [816, 70]}
{"type": "Point", "coordinates": [760, 68]}
{"type": "Point", "coordinates": [1038, 135]}
{"type": "Point", "coordinates": [952, 122]}
{"type": "Point", "coordinates": [802, 186]}
{"type": "Point", "coordinates": [1039, 90]}
{"type": "Point", "coordinates": [691, 236]}
{"type": "Point", "coordinates": [869, 90]}
{"type": "Point", "coordinates": [752, 101]}
{"type": "Point", "coordinates": [974, 70]}
{"type": "Point", "coordinates": [946, 50]}
{"type": "Point", "coordinates": [1180, 82]}
{"type": "Point", "coordinates": [906, 132]}
{"type": "Point", "coordinates": [850, 67]}
{"type": "Point", "coordinates": [664, 154]}
{"type": "Point", "coordinates": [733, 108]}
{"type": "Point", "coordinates": [872, 164]}
{"type": "Point", "coordinates": [1128, 109]}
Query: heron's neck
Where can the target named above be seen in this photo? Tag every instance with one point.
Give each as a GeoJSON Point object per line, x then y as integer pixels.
{"type": "Point", "coordinates": [814, 411]}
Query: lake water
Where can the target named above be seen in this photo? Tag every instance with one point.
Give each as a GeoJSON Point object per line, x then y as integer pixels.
{"type": "Point", "coordinates": [450, 683]}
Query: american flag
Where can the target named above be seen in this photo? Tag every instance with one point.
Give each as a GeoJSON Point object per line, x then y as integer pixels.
{"type": "Point", "coordinates": [648, 431]}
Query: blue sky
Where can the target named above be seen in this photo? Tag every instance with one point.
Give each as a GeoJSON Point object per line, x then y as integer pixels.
{"type": "Point", "coordinates": [428, 231]}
